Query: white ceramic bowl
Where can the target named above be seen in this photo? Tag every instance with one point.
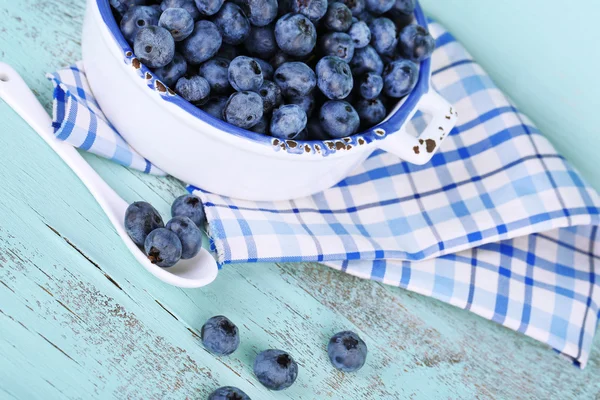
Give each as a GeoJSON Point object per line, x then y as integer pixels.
{"type": "Point", "coordinates": [208, 153]}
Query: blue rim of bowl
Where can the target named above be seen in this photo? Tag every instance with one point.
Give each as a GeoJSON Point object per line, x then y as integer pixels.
{"type": "Point", "coordinates": [326, 147]}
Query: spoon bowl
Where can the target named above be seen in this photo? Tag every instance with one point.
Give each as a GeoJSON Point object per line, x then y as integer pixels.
{"type": "Point", "coordinates": [193, 273]}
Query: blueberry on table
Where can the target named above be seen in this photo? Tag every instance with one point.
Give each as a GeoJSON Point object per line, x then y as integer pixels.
{"type": "Point", "coordinates": [379, 7]}
{"type": "Point", "coordinates": [259, 12]}
{"type": "Point", "coordinates": [243, 109]}
{"type": "Point", "coordinates": [245, 73]}
{"type": "Point", "coordinates": [215, 106]}
{"type": "Point", "coordinates": [355, 6]}
{"type": "Point", "coordinates": [365, 60]}
{"type": "Point", "coordinates": [338, 17]}
{"type": "Point", "coordinates": [371, 85]}
{"type": "Point", "coordinates": [195, 89]}
{"type": "Point", "coordinates": [202, 44]}
{"type": "Point", "coordinates": [178, 22]}
{"type": "Point", "coordinates": [209, 7]}
{"type": "Point", "coordinates": [220, 336]}
{"type": "Point", "coordinates": [141, 219]}
{"type": "Point", "coordinates": [271, 95]}
{"type": "Point", "coordinates": [261, 42]}
{"type": "Point", "coordinates": [189, 206]}
{"type": "Point", "coordinates": [347, 351]}
{"type": "Point", "coordinates": [337, 44]}
{"type": "Point", "coordinates": [383, 35]}
{"type": "Point", "coordinates": [371, 112]}
{"type": "Point", "coordinates": [228, 393]}
{"type": "Point", "coordinates": [187, 5]}
{"type": "Point", "coordinates": [136, 18]}
{"type": "Point", "coordinates": [313, 9]}
{"type": "Point", "coordinates": [416, 43]}
{"type": "Point", "coordinates": [216, 72]}
{"type": "Point", "coordinates": [295, 79]}
{"type": "Point", "coordinates": [360, 34]}
{"type": "Point", "coordinates": [307, 103]}
{"type": "Point", "coordinates": [295, 34]}
{"type": "Point", "coordinates": [275, 369]}
{"type": "Point", "coordinates": [334, 77]}
{"type": "Point", "coordinates": [339, 119]}
{"type": "Point", "coordinates": [189, 235]}
{"type": "Point", "coordinates": [288, 121]}
{"type": "Point", "coordinates": [400, 78]}
{"type": "Point", "coordinates": [170, 73]}
{"type": "Point", "coordinates": [232, 23]}
{"type": "Point", "coordinates": [163, 248]}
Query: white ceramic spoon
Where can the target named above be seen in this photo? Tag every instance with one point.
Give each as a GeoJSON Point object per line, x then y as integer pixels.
{"type": "Point", "coordinates": [193, 273]}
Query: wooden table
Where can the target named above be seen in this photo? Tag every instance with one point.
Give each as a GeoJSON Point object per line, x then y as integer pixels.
{"type": "Point", "coordinates": [80, 319]}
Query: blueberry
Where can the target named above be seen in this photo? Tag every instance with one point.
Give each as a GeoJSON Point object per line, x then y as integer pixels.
{"type": "Point", "coordinates": [337, 44]}
{"type": "Point", "coordinates": [275, 369]}
{"type": "Point", "coordinates": [383, 35]}
{"type": "Point", "coordinates": [355, 6]}
{"type": "Point", "coordinates": [288, 121]}
{"type": "Point", "coordinates": [416, 43]}
{"type": "Point", "coordinates": [121, 6]}
{"type": "Point", "coordinates": [232, 24]}
{"type": "Point", "coordinates": [228, 51]}
{"type": "Point", "coordinates": [209, 7]}
{"type": "Point", "coordinates": [187, 5]}
{"type": "Point", "coordinates": [262, 126]}
{"type": "Point", "coordinates": [295, 79]}
{"type": "Point", "coordinates": [279, 59]}
{"type": "Point", "coordinates": [177, 21]}
{"type": "Point", "coordinates": [170, 73]}
{"type": "Point", "coordinates": [202, 44]}
{"type": "Point", "coordinates": [338, 17]}
{"type": "Point", "coordinates": [267, 69]}
{"type": "Point", "coordinates": [379, 7]}
{"type": "Point", "coordinates": [154, 46]}
{"type": "Point", "coordinates": [307, 103]}
{"type": "Point", "coordinates": [189, 235]}
{"type": "Point", "coordinates": [371, 112]}
{"type": "Point", "coordinates": [295, 34]}
{"type": "Point", "coordinates": [216, 72]}
{"type": "Point", "coordinates": [400, 78]}
{"type": "Point", "coordinates": [366, 60]}
{"type": "Point", "coordinates": [228, 393]}
{"type": "Point", "coordinates": [339, 119]}
{"type": "Point", "coordinates": [243, 109]}
{"type": "Point", "coordinates": [371, 85]}
{"type": "Point", "coordinates": [245, 74]}
{"type": "Point", "coordinates": [215, 106]}
{"type": "Point", "coordinates": [315, 130]}
{"type": "Point", "coordinates": [313, 9]}
{"type": "Point", "coordinates": [366, 17]}
{"type": "Point", "coordinates": [195, 89]}
{"type": "Point", "coordinates": [189, 206]}
{"type": "Point", "coordinates": [406, 7]}
{"type": "Point", "coordinates": [360, 34]}
{"type": "Point", "coordinates": [136, 18]}
{"type": "Point", "coordinates": [259, 12]}
{"type": "Point", "coordinates": [334, 77]}
{"type": "Point", "coordinates": [141, 219]}
{"type": "Point", "coordinates": [261, 42]}
{"type": "Point", "coordinates": [220, 336]}
{"type": "Point", "coordinates": [347, 351]}
{"type": "Point", "coordinates": [163, 247]}
{"type": "Point", "coordinates": [271, 95]}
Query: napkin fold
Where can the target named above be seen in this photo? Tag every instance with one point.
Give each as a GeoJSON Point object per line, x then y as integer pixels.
{"type": "Point", "coordinates": [497, 223]}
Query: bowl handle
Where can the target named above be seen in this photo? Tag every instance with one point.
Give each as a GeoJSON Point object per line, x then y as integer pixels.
{"type": "Point", "coordinates": [419, 150]}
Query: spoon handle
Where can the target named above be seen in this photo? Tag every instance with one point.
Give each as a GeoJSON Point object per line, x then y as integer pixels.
{"type": "Point", "coordinates": [15, 92]}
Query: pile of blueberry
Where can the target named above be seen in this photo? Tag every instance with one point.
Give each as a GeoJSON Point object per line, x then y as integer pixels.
{"type": "Point", "coordinates": [276, 369]}
{"type": "Point", "coordinates": [165, 246]}
{"type": "Point", "coordinates": [292, 69]}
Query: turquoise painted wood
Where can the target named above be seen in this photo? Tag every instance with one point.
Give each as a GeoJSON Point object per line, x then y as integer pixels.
{"type": "Point", "coordinates": [545, 55]}
{"type": "Point", "coordinates": [80, 320]}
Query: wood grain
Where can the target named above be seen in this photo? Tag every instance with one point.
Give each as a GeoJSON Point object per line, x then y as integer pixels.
{"type": "Point", "coordinates": [79, 319]}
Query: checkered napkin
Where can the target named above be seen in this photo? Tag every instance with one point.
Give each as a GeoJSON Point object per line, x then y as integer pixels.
{"type": "Point", "coordinates": [497, 223]}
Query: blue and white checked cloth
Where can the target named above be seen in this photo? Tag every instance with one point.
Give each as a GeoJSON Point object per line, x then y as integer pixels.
{"type": "Point", "coordinates": [497, 223]}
